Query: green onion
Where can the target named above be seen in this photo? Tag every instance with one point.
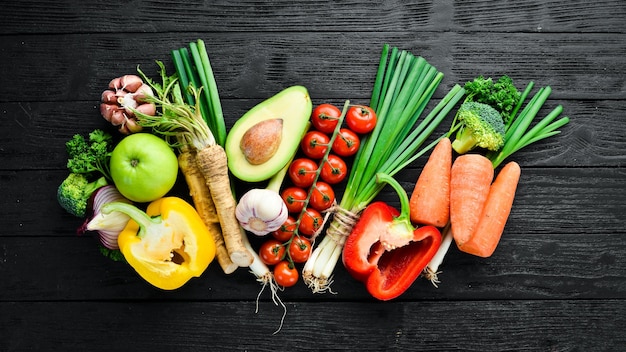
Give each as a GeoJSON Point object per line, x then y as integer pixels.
{"type": "Point", "coordinates": [193, 68]}
{"type": "Point", "coordinates": [518, 135]}
{"type": "Point", "coordinates": [403, 87]}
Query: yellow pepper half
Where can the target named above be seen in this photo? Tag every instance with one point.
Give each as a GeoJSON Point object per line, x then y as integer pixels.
{"type": "Point", "coordinates": [168, 244]}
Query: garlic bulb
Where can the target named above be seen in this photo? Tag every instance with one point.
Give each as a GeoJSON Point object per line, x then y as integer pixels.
{"type": "Point", "coordinates": [261, 211]}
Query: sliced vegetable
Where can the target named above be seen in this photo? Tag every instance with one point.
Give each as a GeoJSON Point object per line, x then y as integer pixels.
{"type": "Point", "coordinates": [168, 244]}
{"type": "Point", "coordinates": [107, 225]}
{"type": "Point", "coordinates": [385, 251]}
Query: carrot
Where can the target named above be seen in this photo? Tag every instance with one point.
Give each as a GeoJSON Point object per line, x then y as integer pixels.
{"type": "Point", "coordinates": [203, 202]}
{"type": "Point", "coordinates": [470, 180]}
{"type": "Point", "coordinates": [212, 163]}
{"type": "Point", "coordinates": [495, 213]}
{"type": "Point", "coordinates": [430, 200]}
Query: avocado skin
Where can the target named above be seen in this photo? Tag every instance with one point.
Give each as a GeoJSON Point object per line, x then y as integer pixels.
{"type": "Point", "coordinates": [293, 105]}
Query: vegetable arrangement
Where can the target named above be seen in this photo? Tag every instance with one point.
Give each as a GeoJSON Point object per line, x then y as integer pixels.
{"type": "Point", "coordinates": [403, 87]}
{"type": "Point", "coordinates": [324, 167]}
{"type": "Point", "coordinates": [479, 209]}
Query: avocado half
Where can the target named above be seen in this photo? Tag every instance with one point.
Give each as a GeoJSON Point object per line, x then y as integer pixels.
{"type": "Point", "coordinates": [293, 106]}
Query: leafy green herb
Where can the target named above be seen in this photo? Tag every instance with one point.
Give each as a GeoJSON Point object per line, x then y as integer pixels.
{"type": "Point", "coordinates": [90, 156]}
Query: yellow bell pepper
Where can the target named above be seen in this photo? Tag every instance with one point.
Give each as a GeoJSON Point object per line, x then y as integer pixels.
{"type": "Point", "coordinates": [168, 244]}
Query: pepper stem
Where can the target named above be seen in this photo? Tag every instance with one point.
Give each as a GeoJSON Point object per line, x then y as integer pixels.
{"type": "Point", "coordinates": [140, 217]}
{"type": "Point", "coordinates": [405, 211]}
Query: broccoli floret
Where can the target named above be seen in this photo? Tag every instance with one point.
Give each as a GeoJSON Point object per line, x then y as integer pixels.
{"type": "Point", "coordinates": [74, 192]}
{"type": "Point", "coordinates": [90, 156]}
{"type": "Point", "coordinates": [481, 126]}
{"type": "Point", "coordinates": [502, 95]}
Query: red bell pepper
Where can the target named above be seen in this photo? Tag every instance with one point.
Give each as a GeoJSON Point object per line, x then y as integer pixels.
{"type": "Point", "coordinates": [385, 251]}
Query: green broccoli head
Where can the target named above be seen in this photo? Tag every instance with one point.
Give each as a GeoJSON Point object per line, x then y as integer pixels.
{"type": "Point", "coordinates": [482, 126]}
{"type": "Point", "coordinates": [501, 94]}
{"type": "Point", "coordinates": [74, 192]}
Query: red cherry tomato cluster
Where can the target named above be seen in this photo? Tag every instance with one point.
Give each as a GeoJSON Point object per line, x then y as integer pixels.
{"type": "Point", "coordinates": [313, 176]}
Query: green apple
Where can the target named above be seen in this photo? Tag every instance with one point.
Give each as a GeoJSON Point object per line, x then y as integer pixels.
{"type": "Point", "coordinates": [143, 167]}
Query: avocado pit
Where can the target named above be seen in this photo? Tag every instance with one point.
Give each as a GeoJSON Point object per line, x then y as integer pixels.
{"type": "Point", "coordinates": [261, 141]}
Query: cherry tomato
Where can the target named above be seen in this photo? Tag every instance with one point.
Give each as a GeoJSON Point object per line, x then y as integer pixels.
{"type": "Point", "coordinates": [322, 196]}
{"type": "Point", "coordinates": [300, 249]}
{"type": "Point", "coordinates": [310, 222]}
{"type": "Point", "coordinates": [346, 143]}
{"type": "Point", "coordinates": [272, 251]}
{"type": "Point", "coordinates": [361, 119]}
{"type": "Point", "coordinates": [294, 198]}
{"type": "Point", "coordinates": [314, 144]}
{"type": "Point", "coordinates": [325, 117]}
{"type": "Point", "coordinates": [302, 172]}
{"type": "Point", "coordinates": [334, 170]}
{"type": "Point", "coordinates": [286, 274]}
{"type": "Point", "coordinates": [286, 230]}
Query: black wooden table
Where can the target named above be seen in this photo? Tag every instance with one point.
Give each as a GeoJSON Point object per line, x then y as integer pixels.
{"type": "Point", "coordinates": [557, 281]}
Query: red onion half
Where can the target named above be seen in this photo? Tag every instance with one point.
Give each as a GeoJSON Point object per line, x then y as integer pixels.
{"type": "Point", "coordinates": [110, 225]}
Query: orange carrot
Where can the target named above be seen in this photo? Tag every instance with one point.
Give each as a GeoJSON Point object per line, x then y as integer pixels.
{"type": "Point", "coordinates": [470, 179]}
{"type": "Point", "coordinates": [495, 213]}
{"type": "Point", "coordinates": [430, 200]}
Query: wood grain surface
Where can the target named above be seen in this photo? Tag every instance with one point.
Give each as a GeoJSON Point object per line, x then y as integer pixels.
{"type": "Point", "coordinates": [557, 281]}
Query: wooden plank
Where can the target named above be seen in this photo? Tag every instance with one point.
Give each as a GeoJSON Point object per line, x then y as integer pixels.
{"type": "Point", "coordinates": [34, 134]}
{"type": "Point", "coordinates": [552, 265]}
{"type": "Point", "coordinates": [320, 16]}
{"type": "Point", "coordinates": [79, 67]}
{"type": "Point", "coordinates": [501, 325]}
{"type": "Point", "coordinates": [550, 200]}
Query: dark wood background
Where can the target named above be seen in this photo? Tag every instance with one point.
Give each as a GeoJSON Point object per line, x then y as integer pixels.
{"type": "Point", "coordinates": [557, 282]}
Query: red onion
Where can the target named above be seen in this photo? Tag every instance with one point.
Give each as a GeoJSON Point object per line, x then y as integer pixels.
{"type": "Point", "coordinates": [110, 225]}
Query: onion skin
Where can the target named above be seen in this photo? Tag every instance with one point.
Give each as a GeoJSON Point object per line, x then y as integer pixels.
{"type": "Point", "coordinates": [108, 226]}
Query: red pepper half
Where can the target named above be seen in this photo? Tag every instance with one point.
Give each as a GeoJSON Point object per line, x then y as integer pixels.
{"type": "Point", "coordinates": [385, 251]}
